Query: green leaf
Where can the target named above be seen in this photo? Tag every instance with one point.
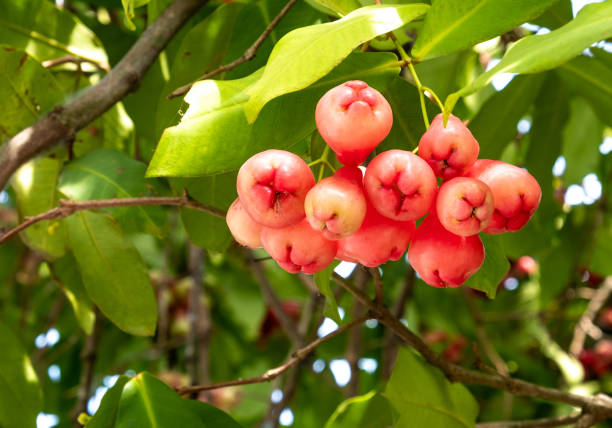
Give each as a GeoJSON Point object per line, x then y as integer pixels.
{"type": "Point", "coordinates": [113, 273]}
{"type": "Point", "coordinates": [48, 33]}
{"type": "Point", "coordinates": [494, 268]}
{"type": "Point", "coordinates": [305, 55]}
{"type": "Point", "coordinates": [453, 25]}
{"type": "Point", "coordinates": [35, 187]}
{"type": "Point", "coordinates": [533, 54]}
{"type": "Point", "coordinates": [194, 58]}
{"type": "Point", "coordinates": [338, 7]}
{"type": "Point", "coordinates": [153, 404]}
{"type": "Point", "coordinates": [559, 14]}
{"type": "Point", "coordinates": [408, 125]}
{"type": "Point", "coordinates": [65, 272]}
{"type": "Point", "coordinates": [27, 89]}
{"type": "Point", "coordinates": [423, 396]}
{"type": "Point", "coordinates": [105, 174]}
{"type": "Point", "coordinates": [322, 279]}
{"type": "Point", "coordinates": [600, 262]}
{"type": "Point", "coordinates": [106, 415]}
{"type": "Point", "coordinates": [219, 191]}
{"type": "Point", "coordinates": [370, 410]}
{"type": "Point", "coordinates": [21, 398]}
{"type": "Point", "coordinates": [591, 78]}
{"type": "Point", "coordinates": [582, 136]}
{"type": "Point", "coordinates": [128, 9]}
{"type": "Point", "coordinates": [494, 126]}
{"type": "Point", "coordinates": [214, 136]}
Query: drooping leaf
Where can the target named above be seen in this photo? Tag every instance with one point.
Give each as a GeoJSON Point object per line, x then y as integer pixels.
{"type": "Point", "coordinates": [323, 281]}
{"type": "Point", "coordinates": [152, 403]}
{"type": "Point", "coordinates": [106, 414]}
{"type": "Point", "coordinates": [66, 273]}
{"type": "Point", "coordinates": [582, 136]}
{"type": "Point", "coordinates": [48, 33]}
{"type": "Point", "coordinates": [423, 396]}
{"type": "Point", "coordinates": [591, 78]}
{"type": "Point", "coordinates": [35, 187]}
{"type": "Point", "coordinates": [214, 136]}
{"type": "Point", "coordinates": [370, 410]}
{"type": "Point", "coordinates": [219, 191]}
{"type": "Point", "coordinates": [307, 54]}
{"type": "Point", "coordinates": [128, 9]}
{"type": "Point", "coordinates": [21, 398]}
{"type": "Point", "coordinates": [493, 269]}
{"type": "Point", "coordinates": [337, 7]}
{"type": "Point", "coordinates": [557, 15]}
{"type": "Point", "coordinates": [105, 174]}
{"type": "Point", "coordinates": [494, 126]}
{"type": "Point", "coordinates": [536, 53]}
{"type": "Point", "coordinates": [27, 90]}
{"type": "Point", "coordinates": [194, 58]}
{"type": "Point", "coordinates": [453, 25]}
{"type": "Point", "coordinates": [113, 273]}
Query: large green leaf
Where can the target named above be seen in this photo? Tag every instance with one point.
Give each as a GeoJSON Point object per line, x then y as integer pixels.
{"type": "Point", "coordinates": [453, 25]}
{"type": "Point", "coordinates": [154, 404]}
{"type": "Point", "coordinates": [66, 273]}
{"type": "Point", "coordinates": [194, 56]}
{"type": "Point", "coordinates": [104, 174]}
{"type": "Point", "coordinates": [20, 395]}
{"type": "Point", "coordinates": [533, 54]}
{"type": "Point", "coordinates": [106, 415]}
{"type": "Point", "coordinates": [46, 32]}
{"type": "Point", "coordinates": [35, 187]}
{"type": "Point", "coordinates": [591, 78]}
{"type": "Point", "coordinates": [423, 396]}
{"type": "Point", "coordinates": [215, 137]}
{"type": "Point", "coordinates": [305, 55]}
{"type": "Point", "coordinates": [582, 136]}
{"type": "Point", "coordinates": [559, 14]}
{"type": "Point", "coordinates": [370, 410]}
{"type": "Point", "coordinates": [494, 126]}
{"type": "Point", "coordinates": [337, 7]}
{"type": "Point", "coordinates": [494, 268]}
{"type": "Point", "coordinates": [219, 191]}
{"type": "Point", "coordinates": [113, 273]}
{"type": "Point", "coordinates": [27, 90]}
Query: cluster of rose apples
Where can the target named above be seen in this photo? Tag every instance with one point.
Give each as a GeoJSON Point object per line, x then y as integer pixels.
{"type": "Point", "coordinates": [369, 218]}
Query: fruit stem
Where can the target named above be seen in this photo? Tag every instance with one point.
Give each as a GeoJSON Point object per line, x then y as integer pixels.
{"type": "Point", "coordinates": [323, 160]}
{"type": "Point", "coordinates": [408, 61]}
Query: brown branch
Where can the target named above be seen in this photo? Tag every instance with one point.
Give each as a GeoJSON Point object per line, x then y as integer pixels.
{"type": "Point", "coordinates": [586, 320]}
{"type": "Point", "coordinates": [535, 423]}
{"type": "Point", "coordinates": [355, 337]}
{"type": "Point", "coordinates": [89, 356]}
{"type": "Point", "coordinates": [270, 374]}
{"type": "Point", "coordinates": [275, 304]}
{"type": "Point", "coordinates": [70, 59]}
{"type": "Point", "coordinates": [64, 121]}
{"type": "Point", "coordinates": [600, 405]}
{"type": "Point", "coordinates": [248, 55]}
{"type": "Point", "coordinates": [68, 207]}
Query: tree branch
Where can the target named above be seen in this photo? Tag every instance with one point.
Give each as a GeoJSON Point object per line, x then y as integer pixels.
{"type": "Point", "coordinates": [298, 356]}
{"type": "Point", "coordinates": [535, 423]}
{"type": "Point", "coordinates": [586, 320]}
{"type": "Point", "coordinates": [64, 121]}
{"type": "Point", "coordinates": [68, 207]}
{"type": "Point", "coordinates": [600, 405]}
{"type": "Point", "coordinates": [248, 55]}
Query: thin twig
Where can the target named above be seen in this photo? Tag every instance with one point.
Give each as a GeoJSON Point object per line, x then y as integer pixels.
{"type": "Point", "coordinates": [70, 59]}
{"type": "Point", "coordinates": [378, 284]}
{"type": "Point", "coordinates": [65, 121]}
{"type": "Point", "coordinates": [275, 304]}
{"type": "Point", "coordinates": [89, 356]}
{"type": "Point", "coordinates": [248, 55]}
{"type": "Point", "coordinates": [68, 207]}
{"type": "Point", "coordinates": [558, 421]}
{"type": "Point", "coordinates": [270, 374]}
{"type": "Point", "coordinates": [355, 342]}
{"type": "Point", "coordinates": [599, 404]}
{"type": "Point", "coordinates": [586, 321]}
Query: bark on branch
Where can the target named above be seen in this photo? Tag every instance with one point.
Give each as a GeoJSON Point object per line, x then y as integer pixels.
{"type": "Point", "coordinates": [64, 121]}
